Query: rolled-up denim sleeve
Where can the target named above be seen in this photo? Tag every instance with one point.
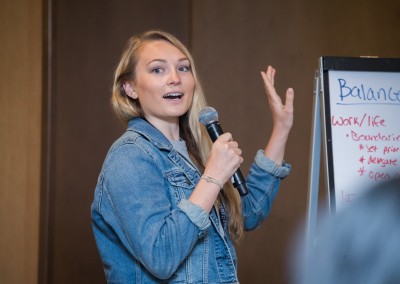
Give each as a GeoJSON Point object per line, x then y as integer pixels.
{"type": "Point", "coordinates": [196, 214]}
{"type": "Point", "coordinates": [263, 182]}
{"type": "Point", "coordinates": [271, 167]}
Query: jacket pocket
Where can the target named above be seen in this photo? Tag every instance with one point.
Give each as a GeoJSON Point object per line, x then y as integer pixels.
{"type": "Point", "coordinates": [180, 185]}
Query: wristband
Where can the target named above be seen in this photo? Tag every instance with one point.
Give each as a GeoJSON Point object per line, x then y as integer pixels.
{"type": "Point", "coordinates": [212, 180]}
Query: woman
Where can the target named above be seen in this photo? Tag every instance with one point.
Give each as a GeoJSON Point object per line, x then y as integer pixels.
{"type": "Point", "coordinates": [163, 209]}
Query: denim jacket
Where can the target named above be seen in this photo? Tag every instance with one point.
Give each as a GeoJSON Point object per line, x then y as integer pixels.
{"type": "Point", "coordinates": [146, 229]}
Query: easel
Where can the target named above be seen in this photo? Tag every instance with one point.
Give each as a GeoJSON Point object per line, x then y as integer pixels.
{"type": "Point", "coordinates": [314, 169]}
{"type": "Point", "coordinates": [322, 128]}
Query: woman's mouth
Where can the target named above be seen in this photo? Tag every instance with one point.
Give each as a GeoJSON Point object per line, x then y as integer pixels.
{"type": "Point", "coordinates": [173, 96]}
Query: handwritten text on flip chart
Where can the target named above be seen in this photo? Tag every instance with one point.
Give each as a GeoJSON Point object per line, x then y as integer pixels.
{"type": "Point", "coordinates": [365, 124]}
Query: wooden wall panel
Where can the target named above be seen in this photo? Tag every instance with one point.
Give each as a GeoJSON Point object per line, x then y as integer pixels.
{"type": "Point", "coordinates": [233, 40]}
{"type": "Point", "coordinates": [20, 139]}
{"type": "Point", "coordinates": [86, 42]}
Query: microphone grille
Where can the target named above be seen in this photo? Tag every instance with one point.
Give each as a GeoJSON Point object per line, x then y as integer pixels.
{"type": "Point", "coordinates": [208, 115]}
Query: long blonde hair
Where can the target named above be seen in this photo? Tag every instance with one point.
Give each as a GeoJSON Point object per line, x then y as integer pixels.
{"type": "Point", "coordinates": [191, 130]}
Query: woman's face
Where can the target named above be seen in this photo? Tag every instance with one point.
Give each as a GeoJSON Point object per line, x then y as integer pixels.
{"type": "Point", "coordinates": [164, 82]}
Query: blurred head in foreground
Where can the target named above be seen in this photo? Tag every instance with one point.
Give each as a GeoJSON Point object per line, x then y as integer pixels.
{"type": "Point", "coordinates": [360, 244]}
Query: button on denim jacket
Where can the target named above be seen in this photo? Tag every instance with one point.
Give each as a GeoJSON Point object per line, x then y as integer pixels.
{"type": "Point", "coordinates": [146, 229]}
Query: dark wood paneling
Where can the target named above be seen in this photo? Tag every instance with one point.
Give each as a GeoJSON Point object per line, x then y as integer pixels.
{"type": "Point", "coordinates": [20, 139]}
{"type": "Point", "coordinates": [86, 42]}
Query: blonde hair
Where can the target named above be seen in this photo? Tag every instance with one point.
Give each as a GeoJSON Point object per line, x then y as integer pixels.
{"type": "Point", "coordinates": [192, 131]}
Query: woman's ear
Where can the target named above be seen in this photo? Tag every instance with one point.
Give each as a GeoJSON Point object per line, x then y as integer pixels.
{"type": "Point", "coordinates": [129, 90]}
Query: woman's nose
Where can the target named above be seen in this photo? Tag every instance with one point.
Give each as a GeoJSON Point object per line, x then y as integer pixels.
{"type": "Point", "coordinates": [174, 78]}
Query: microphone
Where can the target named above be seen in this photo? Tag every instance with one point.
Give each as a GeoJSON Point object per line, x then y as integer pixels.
{"type": "Point", "coordinates": [208, 116]}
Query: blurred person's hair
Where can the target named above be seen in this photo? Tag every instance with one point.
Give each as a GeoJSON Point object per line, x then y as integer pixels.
{"type": "Point", "coordinates": [359, 244]}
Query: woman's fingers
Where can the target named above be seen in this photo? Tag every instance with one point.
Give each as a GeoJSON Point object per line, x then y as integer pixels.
{"type": "Point", "coordinates": [225, 157]}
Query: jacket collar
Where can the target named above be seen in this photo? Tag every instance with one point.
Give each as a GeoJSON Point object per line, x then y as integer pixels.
{"type": "Point", "coordinates": [148, 131]}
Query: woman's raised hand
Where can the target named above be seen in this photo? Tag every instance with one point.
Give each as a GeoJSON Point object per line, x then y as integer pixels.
{"type": "Point", "coordinates": [282, 116]}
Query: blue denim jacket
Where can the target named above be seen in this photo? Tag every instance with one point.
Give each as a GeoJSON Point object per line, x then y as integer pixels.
{"type": "Point", "coordinates": [146, 229]}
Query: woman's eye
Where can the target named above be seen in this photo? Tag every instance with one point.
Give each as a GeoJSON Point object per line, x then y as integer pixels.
{"type": "Point", "coordinates": [157, 70]}
{"type": "Point", "coordinates": [184, 68]}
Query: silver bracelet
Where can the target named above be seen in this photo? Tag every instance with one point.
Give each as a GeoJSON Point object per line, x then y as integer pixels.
{"type": "Point", "coordinates": [212, 180]}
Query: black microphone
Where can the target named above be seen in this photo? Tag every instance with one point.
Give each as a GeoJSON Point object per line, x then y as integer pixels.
{"type": "Point", "coordinates": [208, 116]}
